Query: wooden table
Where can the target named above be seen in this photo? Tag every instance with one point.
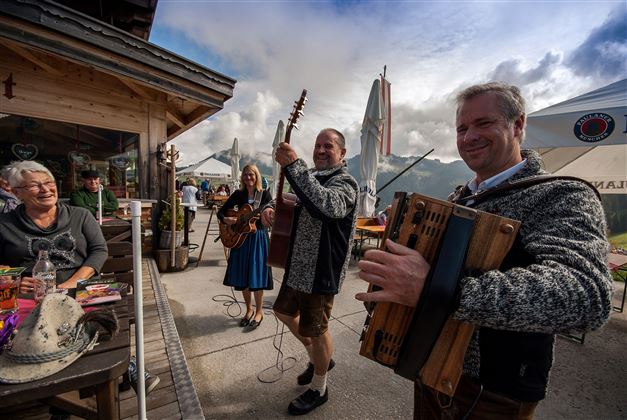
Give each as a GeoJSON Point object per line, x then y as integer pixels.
{"type": "Point", "coordinates": [618, 265]}
{"type": "Point", "coordinates": [375, 231]}
{"type": "Point", "coordinates": [367, 231]}
{"type": "Point", "coordinates": [99, 368]}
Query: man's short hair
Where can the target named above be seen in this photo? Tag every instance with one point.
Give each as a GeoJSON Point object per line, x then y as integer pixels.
{"type": "Point", "coordinates": [90, 173]}
{"type": "Point", "coordinates": [511, 102]}
{"type": "Point", "coordinates": [340, 137]}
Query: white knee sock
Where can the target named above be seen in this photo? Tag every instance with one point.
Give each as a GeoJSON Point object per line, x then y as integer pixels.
{"type": "Point", "coordinates": [319, 383]}
{"type": "Point", "coordinates": [309, 349]}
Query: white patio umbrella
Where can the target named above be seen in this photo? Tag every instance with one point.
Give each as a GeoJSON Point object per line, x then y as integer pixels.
{"type": "Point", "coordinates": [584, 137]}
{"type": "Point", "coordinates": [371, 131]}
{"type": "Point", "coordinates": [235, 165]}
{"type": "Point", "coordinates": [279, 136]}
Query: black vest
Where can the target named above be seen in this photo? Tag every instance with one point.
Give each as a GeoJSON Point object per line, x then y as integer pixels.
{"type": "Point", "coordinates": [514, 363]}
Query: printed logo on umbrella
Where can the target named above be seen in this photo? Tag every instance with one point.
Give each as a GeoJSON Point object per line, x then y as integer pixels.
{"type": "Point", "coordinates": [594, 127]}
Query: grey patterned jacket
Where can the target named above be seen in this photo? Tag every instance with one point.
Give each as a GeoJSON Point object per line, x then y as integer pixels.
{"type": "Point", "coordinates": [558, 282]}
{"type": "Point", "coordinates": [324, 224]}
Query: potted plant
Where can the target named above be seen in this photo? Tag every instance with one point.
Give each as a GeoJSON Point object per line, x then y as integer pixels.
{"type": "Point", "coordinates": [163, 256]}
{"type": "Point", "coordinates": [165, 226]}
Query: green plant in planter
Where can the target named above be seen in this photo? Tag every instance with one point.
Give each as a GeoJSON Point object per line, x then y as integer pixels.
{"type": "Point", "coordinates": [165, 221]}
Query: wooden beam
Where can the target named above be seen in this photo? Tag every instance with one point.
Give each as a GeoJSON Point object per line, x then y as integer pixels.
{"type": "Point", "coordinates": [139, 91]}
{"type": "Point", "coordinates": [200, 112]}
{"type": "Point", "coordinates": [174, 116]}
{"type": "Point", "coordinates": [27, 55]}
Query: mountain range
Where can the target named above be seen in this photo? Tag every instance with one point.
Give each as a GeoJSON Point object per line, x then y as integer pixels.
{"type": "Point", "coordinates": [430, 177]}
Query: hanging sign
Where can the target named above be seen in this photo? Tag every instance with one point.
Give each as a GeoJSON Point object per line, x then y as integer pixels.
{"type": "Point", "coordinates": [121, 162]}
{"type": "Point", "coordinates": [79, 159]}
{"type": "Point", "coordinates": [25, 151]}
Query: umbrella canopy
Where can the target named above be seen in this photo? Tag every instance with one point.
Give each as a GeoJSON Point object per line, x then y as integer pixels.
{"type": "Point", "coordinates": [235, 164]}
{"type": "Point", "coordinates": [584, 136]}
{"type": "Point", "coordinates": [207, 168]}
{"type": "Point", "coordinates": [371, 131]}
{"type": "Point", "coordinates": [279, 136]}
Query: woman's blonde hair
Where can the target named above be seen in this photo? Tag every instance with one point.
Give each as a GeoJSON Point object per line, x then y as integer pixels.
{"type": "Point", "coordinates": [252, 167]}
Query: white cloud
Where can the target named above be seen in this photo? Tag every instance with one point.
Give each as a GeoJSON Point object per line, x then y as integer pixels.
{"type": "Point", "coordinates": [335, 50]}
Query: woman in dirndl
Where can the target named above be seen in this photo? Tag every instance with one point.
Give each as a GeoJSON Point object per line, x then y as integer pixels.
{"type": "Point", "coordinates": [247, 269]}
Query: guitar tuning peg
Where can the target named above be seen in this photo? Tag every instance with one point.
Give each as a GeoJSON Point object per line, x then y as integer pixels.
{"type": "Point", "coordinates": [301, 113]}
{"type": "Point", "coordinates": [295, 126]}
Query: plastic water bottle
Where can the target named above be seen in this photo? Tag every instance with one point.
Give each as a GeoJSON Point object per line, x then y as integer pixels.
{"type": "Point", "coordinates": [46, 276]}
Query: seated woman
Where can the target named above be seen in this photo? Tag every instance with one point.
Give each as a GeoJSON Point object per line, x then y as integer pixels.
{"type": "Point", "coordinates": [70, 234]}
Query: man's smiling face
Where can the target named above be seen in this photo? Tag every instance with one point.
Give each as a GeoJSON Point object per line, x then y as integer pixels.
{"type": "Point", "coordinates": [485, 140]}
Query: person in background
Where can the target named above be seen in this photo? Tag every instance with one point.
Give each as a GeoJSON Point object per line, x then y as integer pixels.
{"type": "Point", "coordinates": [383, 215]}
{"type": "Point", "coordinates": [247, 270]}
{"type": "Point", "coordinates": [221, 191]}
{"type": "Point", "coordinates": [8, 200]}
{"type": "Point", "coordinates": [554, 280]}
{"type": "Point", "coordinates": [87, 196]}
{"type": "Point", "coordinates": [204, 188]}
{"type": "Point", "coordinates": [324, 225]}
{"type": "Point", "coordinates": [189, 191]}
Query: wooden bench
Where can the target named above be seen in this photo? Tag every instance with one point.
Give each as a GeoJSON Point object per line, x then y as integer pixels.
{"type": "Point", "coordinates": [119, 263]}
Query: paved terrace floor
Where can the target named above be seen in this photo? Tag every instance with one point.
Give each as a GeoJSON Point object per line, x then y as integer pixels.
{"type": "Point", "coordinates": [236, 376]}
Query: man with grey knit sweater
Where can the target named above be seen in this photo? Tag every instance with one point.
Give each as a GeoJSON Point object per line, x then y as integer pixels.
{"type": "Point", "coordinates": [321, 239]}
{"type": "Point", "coordinates": [554, 280]}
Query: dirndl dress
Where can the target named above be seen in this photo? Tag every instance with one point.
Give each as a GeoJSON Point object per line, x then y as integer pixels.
{"type": "Point", "coordinates": [247, 266]}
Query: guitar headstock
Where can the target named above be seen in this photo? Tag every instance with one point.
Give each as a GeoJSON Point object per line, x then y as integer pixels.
{"type": "Point", "coordinates": [295, 115]}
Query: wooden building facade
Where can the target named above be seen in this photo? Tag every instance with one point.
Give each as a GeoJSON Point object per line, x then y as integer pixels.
{"type": "Point", "coordinates": [79, 93]}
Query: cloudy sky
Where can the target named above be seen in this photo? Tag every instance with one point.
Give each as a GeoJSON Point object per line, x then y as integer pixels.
{"type": "Point", "coordinates": [553, 50]}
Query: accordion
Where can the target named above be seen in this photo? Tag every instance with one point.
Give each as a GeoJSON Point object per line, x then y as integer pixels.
{"type": "Point", "coordinates": [424, 342]}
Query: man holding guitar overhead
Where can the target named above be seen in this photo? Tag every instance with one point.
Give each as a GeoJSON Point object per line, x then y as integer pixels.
{"type": "Point", "coordinates": [553, 280]}
{"type": "Point", "coordinates": [324, 223]}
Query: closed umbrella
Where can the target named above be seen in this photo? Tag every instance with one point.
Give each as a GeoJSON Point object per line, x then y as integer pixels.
{"type": "Point", "coordinates": [279, 136]}
{"type": "Point", "coordinates": [371, 131]}
{"type": "Point", "coordinates": [235, 165]}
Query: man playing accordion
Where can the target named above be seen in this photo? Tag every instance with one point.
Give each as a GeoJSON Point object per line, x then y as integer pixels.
{"type": "Point", "coordinates": [554, 279]}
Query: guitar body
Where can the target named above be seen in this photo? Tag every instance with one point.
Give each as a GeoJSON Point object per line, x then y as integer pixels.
{"type": "Point", "coordinates": [233, 236]}
{"type": "Point", "coordinates": [281, 232]}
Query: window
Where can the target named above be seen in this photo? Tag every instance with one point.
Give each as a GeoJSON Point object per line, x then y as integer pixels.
{"type": "Point", "coordinates": [68, 149]}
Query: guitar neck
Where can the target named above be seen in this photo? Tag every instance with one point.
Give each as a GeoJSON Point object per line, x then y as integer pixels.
{"type": "Point", "coordinates": [298, 111]}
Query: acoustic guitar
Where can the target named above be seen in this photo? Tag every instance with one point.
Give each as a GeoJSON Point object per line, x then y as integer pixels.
{"type": "Point", "coordinates": [233, 236]}
{"type": "Point", "coordinates": [285, 203]}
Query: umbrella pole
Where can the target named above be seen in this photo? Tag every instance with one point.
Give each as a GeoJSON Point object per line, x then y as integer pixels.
{"type": "Point", "coordinates": [139, 308]}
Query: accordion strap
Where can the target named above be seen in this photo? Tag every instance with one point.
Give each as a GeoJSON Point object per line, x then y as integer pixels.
{"type": "Point", "coordinates": [438, 297]}
{"type": "Point", "coordinates": [522, 183]}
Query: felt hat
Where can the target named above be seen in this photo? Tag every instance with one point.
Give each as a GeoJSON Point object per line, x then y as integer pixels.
{"type": "Point", "coordinates": [53, 336]}
{"type": "Point", "coordinates": [90, 173]}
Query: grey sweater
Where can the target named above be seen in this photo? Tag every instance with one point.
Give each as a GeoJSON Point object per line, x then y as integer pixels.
{"type": "Point", "coordinates": [565, 286]}
{"type": "Point", "coordinates": [73, 241]}
{"type": "Point", "coordinates": [324, 226]}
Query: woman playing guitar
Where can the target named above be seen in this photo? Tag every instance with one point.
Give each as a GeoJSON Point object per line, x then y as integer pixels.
{"type": "Point", "coordinates": [247, 270]}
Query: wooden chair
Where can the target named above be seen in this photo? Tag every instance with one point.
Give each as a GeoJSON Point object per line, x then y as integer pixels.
{"type": "Point", "coordinates": [116, 232]}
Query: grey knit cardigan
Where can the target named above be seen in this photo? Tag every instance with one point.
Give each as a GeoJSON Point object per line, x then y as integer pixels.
{"type": "Point", "coordinates": [567, 287]}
